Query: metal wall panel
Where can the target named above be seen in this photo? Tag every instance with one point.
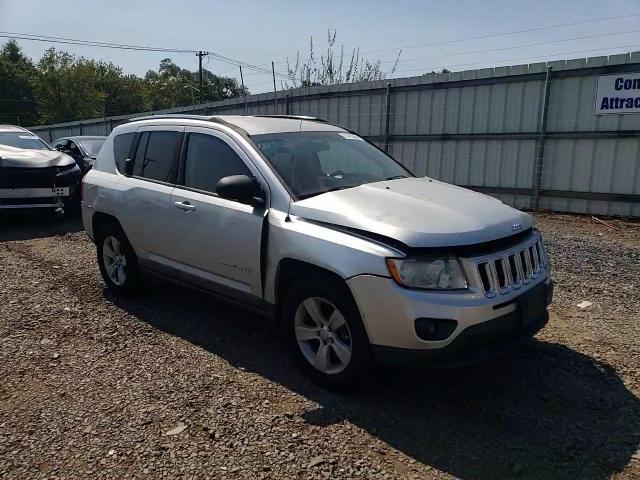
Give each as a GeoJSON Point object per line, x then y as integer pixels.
{"type": "Point", "coordinates": [483, 163]}
{"type": "Point", "coordinates": [571, 108]}
{"type": "Point", "coordinates": [607, 165]}
{"type": "Point", "coordinates": [481, 105]}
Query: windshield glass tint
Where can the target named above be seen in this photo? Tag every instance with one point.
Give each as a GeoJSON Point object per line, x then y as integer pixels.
{"type": "Point", "coordinates": [326, 161]}
{"type": "Point", "coordinates": [22, 140]}
{"type": "Point", "coordinates": [92, 146]}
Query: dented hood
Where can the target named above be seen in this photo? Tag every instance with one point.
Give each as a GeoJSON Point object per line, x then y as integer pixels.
{"type": "Point", "coordinates": [419, 212]}
{"type": "Point", "coordinates": [11, 157]}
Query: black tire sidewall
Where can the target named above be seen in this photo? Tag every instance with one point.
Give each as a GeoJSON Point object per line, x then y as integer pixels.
{"type": "Point", "coordinates": [131, 282]}
{"type": "Point", "coordinates": [335, 291]}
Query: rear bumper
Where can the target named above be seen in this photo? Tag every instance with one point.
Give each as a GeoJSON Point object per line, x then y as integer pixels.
{"type": "Point", "coordinates": [474, 345]}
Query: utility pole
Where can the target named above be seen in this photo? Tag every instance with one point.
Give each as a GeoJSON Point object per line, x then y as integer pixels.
{"type": "Point", "coordinates": [275, 91]}
{"type": "Point", "coordinates": [200, 54]}
{"type": "Point", "coordinates": [244, 92]}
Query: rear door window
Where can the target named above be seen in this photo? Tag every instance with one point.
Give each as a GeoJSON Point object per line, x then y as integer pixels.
{"type": "Point", "coordinates": [156, 155]}
{"type": "Point", "coordinates": [121, 149]}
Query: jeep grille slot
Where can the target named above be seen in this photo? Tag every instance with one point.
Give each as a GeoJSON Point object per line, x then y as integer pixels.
{"type": "Point", "coordinates": [510, 270]}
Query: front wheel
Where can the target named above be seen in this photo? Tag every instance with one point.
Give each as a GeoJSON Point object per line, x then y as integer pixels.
{"type": "Point", "coordinates": [325, 332]}
{"type": "Point", "coordinates": [117, 261]}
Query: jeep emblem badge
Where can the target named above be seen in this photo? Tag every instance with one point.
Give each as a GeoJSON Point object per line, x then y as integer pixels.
{"type": "Point", "coordinates": [515, 227]}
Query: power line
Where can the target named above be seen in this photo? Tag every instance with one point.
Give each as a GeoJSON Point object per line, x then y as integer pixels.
{"type": "Point", "coordinates": [120, 46]}
{"type": "Point", "coordinates": [478, 37]}
{"type": "Point", "coordinates": [519, 58]}
{"type": "Point", "coordinates": [222, 58]}
{"type": "Point", "coordinates": [548, 42]}
{"type": "Point", "coordinates": [514, 32]}
{"type": "Point", "coordinates": [90, 43]}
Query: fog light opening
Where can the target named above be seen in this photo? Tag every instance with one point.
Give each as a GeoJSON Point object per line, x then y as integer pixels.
{"type": "Point", "coordinates": [435, 328]}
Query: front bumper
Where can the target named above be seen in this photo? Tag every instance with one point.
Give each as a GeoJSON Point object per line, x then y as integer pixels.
{"type": "Point", "coordinates": [33, 188]}
{"type": "Point", "coordinates": [474, 345]}
{"type": "Point", "coordinates": [485, 326]}
{"type": "Point", "coordinates": [27, 198]}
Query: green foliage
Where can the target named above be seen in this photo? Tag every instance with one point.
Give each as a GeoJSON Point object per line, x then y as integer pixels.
{"type": "Point", "coordinates": [333, 68]}
{"type": "Point", "coordinates": [62, 87]}
{"type": "Point", "coordinates": [172, 86]}
{"type": "Point", "coordinates": [16, 89]}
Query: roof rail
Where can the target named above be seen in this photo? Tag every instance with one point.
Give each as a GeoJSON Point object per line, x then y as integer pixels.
{"type": "Point", "coordinates": [294, 117]}
{"type": "Point", "coordinates": [174, 116]}
{"type": "Point", "coordinates": [6, 125]}
{"type": "Point", "coordinates": [219, 118]}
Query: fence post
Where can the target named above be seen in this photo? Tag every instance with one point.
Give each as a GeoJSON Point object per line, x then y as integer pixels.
{"type": "Point", "coordinates": [540, 141]}
{"type": "Point", "coordinates": [50, 132]}
{"type": "Point", "coordinates": [387, 117]}
{"type": "Point", "coordinates": [80, 127]}
{"type": "Point", "coordinates": [286, 104]}
{"type": "Point", "coordinates": [110, 126]}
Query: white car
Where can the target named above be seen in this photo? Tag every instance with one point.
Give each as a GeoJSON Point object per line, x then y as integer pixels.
{"type": "Point", "coordinates": [351, 255]}
{"type": "Point", "coordinates": [33, 175]}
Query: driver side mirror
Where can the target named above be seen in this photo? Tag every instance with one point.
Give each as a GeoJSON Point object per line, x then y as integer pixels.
{"type": "Point", "coordinates": [59, 148]}
{"type": "Point", "coordinates": [241, 188]}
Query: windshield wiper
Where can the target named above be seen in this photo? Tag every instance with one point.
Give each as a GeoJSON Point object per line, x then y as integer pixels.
{"type": "Point", "coordinates": [341, 187]}
{"type": "Point", "coordinates": [332, 189]}
{"type": "Point", "coordinates": [395, 177]}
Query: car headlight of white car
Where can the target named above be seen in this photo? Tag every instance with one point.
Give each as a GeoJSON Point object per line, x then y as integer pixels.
{"type": "Point", "coordinates": [438, 272]}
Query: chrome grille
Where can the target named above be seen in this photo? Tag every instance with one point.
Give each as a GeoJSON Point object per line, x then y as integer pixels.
{"type": "Point", "coordinates": [511, 270]}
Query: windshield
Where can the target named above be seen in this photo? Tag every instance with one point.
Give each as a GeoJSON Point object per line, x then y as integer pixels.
{"type": "Point", "coordinates": [22, 140]}
{"type": "Point", "coordinates": [326, 161]}
{"type": "Point", "coordinates": [92, 146]}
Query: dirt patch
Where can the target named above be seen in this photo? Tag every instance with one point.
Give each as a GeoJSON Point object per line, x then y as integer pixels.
{"type": "Point", "coordinates": [174, 384]}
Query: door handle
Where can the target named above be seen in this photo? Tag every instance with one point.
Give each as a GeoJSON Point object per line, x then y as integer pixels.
{"type": "Point", "coordinates": [186, 206]}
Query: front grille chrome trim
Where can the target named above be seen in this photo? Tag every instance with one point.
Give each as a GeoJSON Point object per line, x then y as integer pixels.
{"type": "Point", "coordinates": [503, 272]}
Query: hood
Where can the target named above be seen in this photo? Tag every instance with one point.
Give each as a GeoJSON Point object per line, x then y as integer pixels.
{"type": "Point", "coordinates": [419, 212]}
{"type": "Point", "coordinates": [12, 157]}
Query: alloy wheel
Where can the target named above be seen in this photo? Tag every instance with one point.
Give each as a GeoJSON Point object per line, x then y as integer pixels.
{"type": "Point", "coordinates": [115, 262]}
{"type": "Point", "coordinates": [323, 335]}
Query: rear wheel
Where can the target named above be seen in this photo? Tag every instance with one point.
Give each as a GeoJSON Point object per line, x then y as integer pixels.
{"type": "Point", "coordinates": [117, 261]}
{"type": "Point", "coordinates": [325, 332]}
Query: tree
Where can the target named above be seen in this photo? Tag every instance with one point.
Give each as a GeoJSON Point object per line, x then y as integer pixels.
{"type": "Point", "coordinates": [166, 87]}
{"type": "Point", "coordinates": [171, 86]}
{"type": "Point", "coordinates": [121, 93]}
{"type": "Point", "coordinates": [62, 87]}
{"type": "Point", "coordinates": [66, 88]}
{"type": "Point", "coordinates": [217, 88]}
{"type": "Point", "coordinates": [332, 68]}
{"type": "Point", "coordinates": [17, 103]}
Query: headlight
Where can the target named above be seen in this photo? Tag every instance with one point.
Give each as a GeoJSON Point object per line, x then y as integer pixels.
{"type": "Point", "coordinates": [68, 168]}
{"type": "Point", "coordinates": [434, 272]}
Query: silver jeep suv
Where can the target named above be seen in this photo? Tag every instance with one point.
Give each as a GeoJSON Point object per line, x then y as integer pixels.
{"type": "Point", "coordinates": [308, 223]}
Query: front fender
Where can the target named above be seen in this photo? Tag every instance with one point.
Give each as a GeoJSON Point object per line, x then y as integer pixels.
{"type": "Point", "coordinates": [334, 250]}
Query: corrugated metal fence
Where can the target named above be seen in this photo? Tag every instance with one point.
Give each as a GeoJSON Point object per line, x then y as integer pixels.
{"type": "Point", "coordinates": [527, 133]}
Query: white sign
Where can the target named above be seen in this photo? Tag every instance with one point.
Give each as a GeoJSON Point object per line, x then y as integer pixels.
{"type": "Point", "coordinates": [618, 93]}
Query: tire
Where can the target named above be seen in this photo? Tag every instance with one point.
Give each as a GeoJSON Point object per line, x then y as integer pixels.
{"type": "Point", "coordinates": [308, 310]}
{"type": "Point", "coordinates": [117, 261]}
{"type": "Point", "coordinates": [71, 207]}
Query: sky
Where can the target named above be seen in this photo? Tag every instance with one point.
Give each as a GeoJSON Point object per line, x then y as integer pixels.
{"type": "Point", "coordinates": [259, 32]}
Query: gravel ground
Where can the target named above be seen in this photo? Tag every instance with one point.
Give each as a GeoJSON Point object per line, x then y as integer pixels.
{"type": "Point", "coordinates": [176, 385]}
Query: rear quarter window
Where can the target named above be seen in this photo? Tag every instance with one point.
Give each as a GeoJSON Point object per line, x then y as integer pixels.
{"type": "Point", "coordinates": [121, 149]}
